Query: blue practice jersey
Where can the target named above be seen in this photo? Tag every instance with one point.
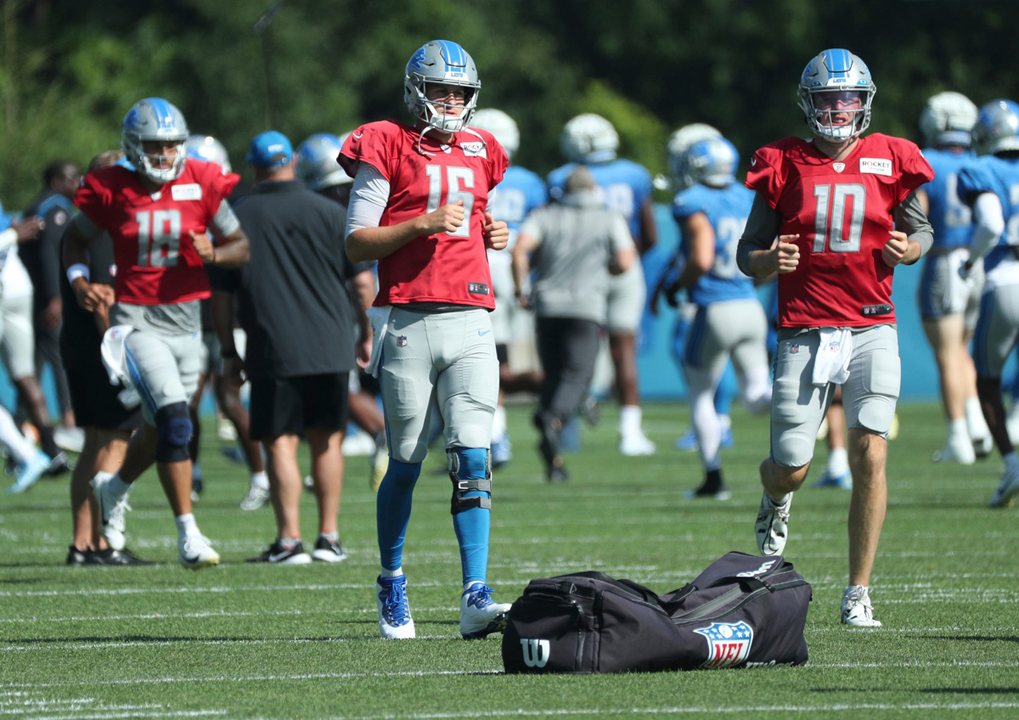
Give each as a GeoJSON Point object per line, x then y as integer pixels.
{"type": "Point", "coordinates": [727, 209]}
{"type": "Point", "coordinates": [951, 218]}
{"type": "Point", "coordinates": [625, 187]}
{"type": "Point", "coordinates": [1001, 177]}
{"type": "Point", "coordinates": [520, 192]}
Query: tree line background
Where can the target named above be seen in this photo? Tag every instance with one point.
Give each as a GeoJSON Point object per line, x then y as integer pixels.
{"type": "Point", "coordinates": [71, 69]}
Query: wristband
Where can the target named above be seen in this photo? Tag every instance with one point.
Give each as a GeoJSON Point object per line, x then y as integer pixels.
{"type": "Point", "coordinates": [76, 271]}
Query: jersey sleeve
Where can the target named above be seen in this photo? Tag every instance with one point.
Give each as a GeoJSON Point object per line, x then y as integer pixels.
{"type": "Point", "coordinates": [765, 175]}
{"type": "Point", "coordinates": [532, 226]}
{"type": "Point", "coordinates": [217, 186]}
{"type": "Point", "coordinates": [372, 144]}
{"type": "Point", "coordinates": [915, 169]}
{"type": "Point", "coordinates": [973, 180]}
{"type": "Point", "coordinates": [498, 162]}
{"type": "Point", "coordinates": [686, 204]}
{"type": "Point", "coordinates": [93, 198]}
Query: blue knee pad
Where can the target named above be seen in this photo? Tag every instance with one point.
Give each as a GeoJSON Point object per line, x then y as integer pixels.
{"type": "Point", "coordinates": [470, 470]}
{"type": "Point", "coordinates": [173, 428]}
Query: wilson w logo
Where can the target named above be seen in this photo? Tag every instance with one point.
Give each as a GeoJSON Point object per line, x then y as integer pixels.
{"type": "Point", "coordinates": [536, 652]}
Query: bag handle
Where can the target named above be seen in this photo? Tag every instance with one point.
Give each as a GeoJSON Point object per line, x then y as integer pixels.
{"type": "Point", "coordinates": [627, 585]}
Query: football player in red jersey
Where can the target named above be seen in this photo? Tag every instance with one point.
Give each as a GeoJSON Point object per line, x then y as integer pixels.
{"type": "Point", "coordinates": [159, 212]}
{"type": "Point", "coordinates": [419, 207]}
{"type": "Point", "coordinates": [844, 210]}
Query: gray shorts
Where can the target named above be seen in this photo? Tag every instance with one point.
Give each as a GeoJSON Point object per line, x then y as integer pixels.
{"type": "Point", "coordinates": [506, 307]}
{"type": "Point", "coordinates": [997, 330]}
{"type": "Point", "coordinates": [736, 328]}
{"type": "Point", "coordinates": [18, 336]}
{"type": "Point", "coordinates": [942, 292]}
{"type": "Point", "coordinates": [627, 294]}
{"type": "Point", "coordinates": [446, 357]}
{"type": "Point", "coordinates": [798, 406]}
{"type": "Point", "coordinates": [164, 368]}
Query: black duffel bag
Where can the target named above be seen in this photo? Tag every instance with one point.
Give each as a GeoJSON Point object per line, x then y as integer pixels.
{"type": "Point", "coordinates": [742, 611]}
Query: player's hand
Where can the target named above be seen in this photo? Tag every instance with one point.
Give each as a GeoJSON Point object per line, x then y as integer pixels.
{"type": "Point", "coordinates": [203, 246]}
{"type": "Point", "coordinates": [364, 353]}
{"type": "Point", "coordinates": [786, 254]}
{"type": "Point", "coordinates": [29, 228]}
{"type": "Point", "coordinates": [523, 300]}
{"type": "Point", "coordinates": [446, 219]}
{"type": "Point", "coordinates": [966, 269]}
{"type": "Point", "coordinates": [496, 233]}
{"type": "Point", "coordinates": [233, 369]}
{"type": "Point", "coordinates": [895, 248]}
{"type": "Point", "coordinates": [89, 295]}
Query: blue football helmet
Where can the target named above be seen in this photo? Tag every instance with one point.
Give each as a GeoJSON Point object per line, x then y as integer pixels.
{"type": "Point", "coordinates": [155, 119]}
{"type": "Point", "coordinates": [502, 127]}
{"type": "Point", "coordinates": [948, 119]}
{"type": "Point", "coordinates": [679, 142]}
{"type": "Point", "coordinates": [317, 166]}
{"type": "Point", "coordinates": [208, 148]}
{"type": "Point", "coordinates": [445, 62]}
{"type": "Point", "coordinates": [712, 161]}
{"type": "Point", "coordinates": [589, 139]}
{"type": "Point", "coordinates": [997, 128]}
{"type": "Point", "coordinates": [836, 71]}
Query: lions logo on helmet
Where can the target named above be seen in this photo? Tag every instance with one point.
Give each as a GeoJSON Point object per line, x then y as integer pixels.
{"type": "Point", "coordinates": [445, 62]}
{"type": "Point", "coordinates": [209, 149]}
{"type": "Point", "coordinates": [155, 119]}
{"type": "Point", "coordinates": [589, 139]}
{"type": "Point", "coordinates": [679, 142]}
{"type": "Point", "coordinates": [502, 127]}
{"type": "Point", "coordinates": [712, 162]}
{"type": "Point", "coordinates": [836, 71]}
{"type": "Point", "coordinates": [997, 128]}
{"type": "Point", "coordinates": [317, 166]}
{"type": "Point", "coordinates": [948, 119]}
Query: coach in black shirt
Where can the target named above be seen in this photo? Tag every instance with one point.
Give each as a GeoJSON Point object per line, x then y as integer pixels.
{"type": "Point", "coordinates": [298, 310]}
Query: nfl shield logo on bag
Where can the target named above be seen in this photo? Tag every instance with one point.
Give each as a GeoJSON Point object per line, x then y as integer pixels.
{"type": "Point", "coordinates": [728, 643]}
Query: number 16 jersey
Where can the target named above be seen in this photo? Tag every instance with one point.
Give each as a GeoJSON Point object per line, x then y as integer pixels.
{"type": "Point", "coordinates": [157, 263]}
{"type": "Point", "coordinates": [842, 212]}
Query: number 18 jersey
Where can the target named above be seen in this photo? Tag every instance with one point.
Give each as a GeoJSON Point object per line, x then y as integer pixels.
{"type": "Point", "coordinates": [449, 268]}
{"type": "Point", "coordinates": [842, 212]}
{"type": "Point", "coordinates": [157, 263]}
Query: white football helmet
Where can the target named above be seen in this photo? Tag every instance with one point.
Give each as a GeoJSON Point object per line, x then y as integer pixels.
{"type": "Point", "coordinates": [501, 125]}
{"type": "Point", "coordinates": [589, 139]}
{"type": "Point", "coordinates": [208, 148]}
{"type": "Point", "coordinates": [997, 128]}
{"type": "Point", "coordinates": [836, 71]}
{"type": "Point", "coordinates": [317, 166]}
{"type": "Point", "coordinates": [679, 142]}
{"type": "Point", "coordinates": [445, 62]}
{"type": "Point", "coordinates": [712, 161]}
{"type": "Point", "coordinates": [155, 119]}
{"type": "Point", "coordinates": [948, 119]}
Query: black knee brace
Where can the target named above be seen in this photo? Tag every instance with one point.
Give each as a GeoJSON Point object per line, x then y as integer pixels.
{"type": "Point", "coordinates": [462, 486]}
{"type": "Point", "coordinates": [173, 426]}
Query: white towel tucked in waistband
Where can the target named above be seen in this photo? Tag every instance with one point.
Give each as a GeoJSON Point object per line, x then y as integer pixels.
{"type": "Point", "coordinates": [835, 348]}
{"type": "Point", "coordinates": [379, 318]}
{"type": "Point", "coordinates": [115, 359]}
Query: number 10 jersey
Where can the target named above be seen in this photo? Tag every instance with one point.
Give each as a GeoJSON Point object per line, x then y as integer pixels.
{"type": "Point", "coordinates": [842, 212]}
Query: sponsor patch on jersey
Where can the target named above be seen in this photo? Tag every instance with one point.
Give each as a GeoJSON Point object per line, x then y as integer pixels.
{"type": "Point", "coordinates": [191, 191]}
{"type": "Point", "coordinates": [876, 166]}
{"type": "Point", "coordinates": [728, 643]}
{"type": "Point", "coordinates": [474, 149]}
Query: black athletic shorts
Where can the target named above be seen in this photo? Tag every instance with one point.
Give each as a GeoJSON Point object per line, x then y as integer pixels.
{"type": "Point", "coordinates": [95, 401]}
{"type": "Point", "coordinates": [286, 406]}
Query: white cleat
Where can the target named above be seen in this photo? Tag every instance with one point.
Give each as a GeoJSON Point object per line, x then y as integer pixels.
{"type": "Point", "coordinates": [958, 450]}
{"type": "Point", "coordinates": [1007, 490]}
{"type": "Point", "coordinates": [856, 608]}
{"type": "Point", "coordinates": [112, 512]}
{"type": "Point", "coordinates": [636, 444]}
{"type": "Point", "coordinates": [480, 616]}
{"type": "Point", "coordinates": [983, 446]}
{"type": "Point", "coordinates": [772, 526]}
{"type": "Point", "coordinates": [257, 497]}
{"type": "Point", "coordinates": [395, 621]}
{"type": "Point", "coordinates": [196, 552]}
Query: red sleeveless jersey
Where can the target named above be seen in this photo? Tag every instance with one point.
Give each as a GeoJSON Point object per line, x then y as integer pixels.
{"type": "Point", "coordinates": [449, 268]}
{"type": "Point", "coordinates": [843, 214]}
{"type": "Point", "coordinates": [156, 260]}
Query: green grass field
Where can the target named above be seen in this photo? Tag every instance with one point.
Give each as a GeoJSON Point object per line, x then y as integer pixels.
{"type": "Point", "coordinates": [250, 641]}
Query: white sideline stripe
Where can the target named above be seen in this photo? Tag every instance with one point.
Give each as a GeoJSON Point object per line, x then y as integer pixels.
{"type": "Point", "coordinates": [435, 673]}
{"type": "Point", "coordinates": [190, 641]}
{"type": "Point", "coordinates": [134, 714]}
{"type": "Point", "coordinates": [714, 710]}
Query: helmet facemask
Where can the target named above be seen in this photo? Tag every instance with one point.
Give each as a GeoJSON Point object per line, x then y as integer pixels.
{"type": "Point", "coordinates": [443, 63]}
{"type": "Point", "coordinates": [820, 107]}
{"type": "Point", "coordinates": [154, 119]}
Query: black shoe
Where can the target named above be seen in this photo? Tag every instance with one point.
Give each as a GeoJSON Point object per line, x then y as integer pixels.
{"type": "Point", "coordinates": [279, 555]}
{"type": "Point", "coordinates": [58, 465]}
{"type": "Point", "coordinates": [109, 556]}
{"type": "Point", "coordinates": [328, 550]}
{"type": "Point", "coordinates": [713, 487]}
{"type": "Point", "coordinates": [77, 558]}
{"type": "Point", "coordinates": [590, 411]}
{"type": "Point", "coordinates": [557, 473]}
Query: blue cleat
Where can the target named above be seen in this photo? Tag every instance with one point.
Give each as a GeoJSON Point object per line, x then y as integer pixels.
{"type": "Point", "coordinates": [395, 621]}
{"type": "Point", "coordinates": [502, 451]}
{"type": "Point", "coordinates": [480, 616]}
{"type": "Point", "coordinates": [688, 443]}
{"type": "Point", "coordinates": [830, 480]}
{"type": "Point", "coordinates": [29, 473]}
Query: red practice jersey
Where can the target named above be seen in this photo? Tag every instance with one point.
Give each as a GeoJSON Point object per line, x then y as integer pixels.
{"type": "Point", "coordinates": [157, 263]}
{"type": "Point", "coordinates": [449, 268]}
{"type": "Point", "coordinates": [842, 212]}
